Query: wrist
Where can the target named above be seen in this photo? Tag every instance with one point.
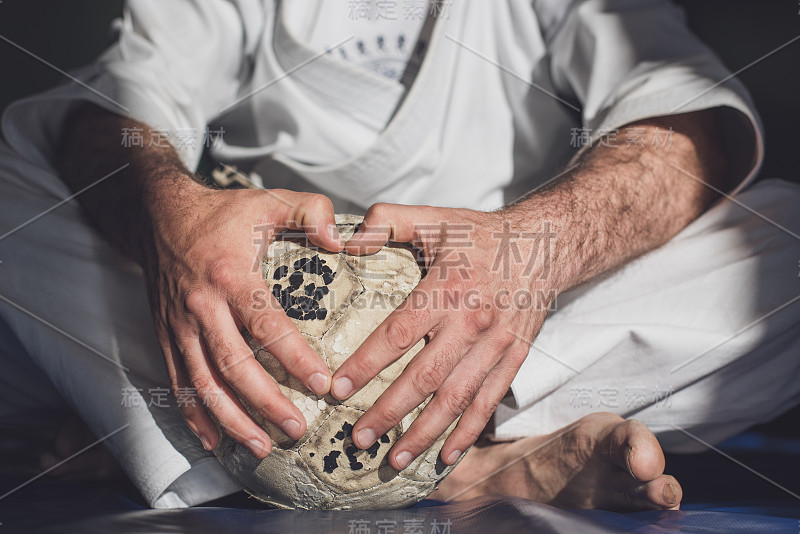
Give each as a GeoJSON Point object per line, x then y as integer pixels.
{"type": "Point", "coordinates": [167, 200]}
{"type": "Point", "coordinates": [546, 246]}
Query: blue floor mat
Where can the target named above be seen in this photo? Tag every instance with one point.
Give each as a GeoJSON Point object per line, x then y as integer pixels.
{"type": "Point", "coordinates": [63, 507]}
{"type": "Point", "coordinates": [756, 495]}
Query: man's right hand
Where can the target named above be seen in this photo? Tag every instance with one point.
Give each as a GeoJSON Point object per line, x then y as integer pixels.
{"type": "Point", "coordinates": [201, 258]}
{"type": "Point", "coordinates": [198, 248]}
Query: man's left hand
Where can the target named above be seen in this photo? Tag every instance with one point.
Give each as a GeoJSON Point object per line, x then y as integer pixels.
{"type": "Point", "coordinates": [483, 299]}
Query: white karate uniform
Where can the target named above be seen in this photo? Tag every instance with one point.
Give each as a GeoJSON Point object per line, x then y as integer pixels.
{"type": "Point", "coordinates": [490, 115]}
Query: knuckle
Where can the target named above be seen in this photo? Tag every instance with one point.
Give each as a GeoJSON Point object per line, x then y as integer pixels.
{"type": "Point", "coordinates": [506, 339]}
{"type": "Point", "coordinates": [479, 320]}
{"type": "Point", "coordinates": [452, 282]}
{"type": "Point", "coordinates": [469, 431]}
{"type": "Point", "coordinates": [400, 335]}
{"type": "Point", "coordinates": [377, 211]}
{"type": "Point", "coordinates": [226, 363]}
{"type": "Point", "coordinates": [427, 380]}
{"type": "Point", "coordinates": [424, 437]}
{"type": "Point", "coordinates": [389, 415]}
{"type": "Point", "coordinates": [518, 356]}
{"type": "Point", "coordinates": [265, 328]}
{"type": "Point", "coordinates": [414, 314]}
{"type": "Point", "coordinates": [485, 410]}
{"type": "Point", "coordinates": [205, 385]}
{"type": "Point", "coordinates": [229, 365]}
{"type": "Point", "coordinates": [318, 203]}
{"type": "Point", "coordinates": [182, 345]}
{"type": "Point", "coordinates": [197, 302]}
{"type": "Point", "coordinates": [457, 402]}
{"type": "Point", "coordinates": [223, 275]}
{"type": "Point", "coordinates": [501, 342]}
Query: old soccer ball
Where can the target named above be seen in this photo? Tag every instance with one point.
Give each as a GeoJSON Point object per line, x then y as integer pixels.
{"type": "Point", "coordinates": [336, 301]}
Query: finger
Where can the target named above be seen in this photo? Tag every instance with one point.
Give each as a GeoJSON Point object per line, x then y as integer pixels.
{"type": "Point", "coordinates": [421, 378]}
{"type": "Point", "coordinates": [314, 215]}
{"type": "Point", "coordinates": [197, 419]}
{"type": "Point", "coordinates": [385, 222]}
{"type": "Point", "coordinates": [449, 403]}
{"type": "Point", "coordinates": [218, 398]}
{"type": "Point", "coordinates": [395, 336]}
{"type": "Point", "coordinates": [241, 371]}
{"type": "Point", "coordinates": [477, 415]}
{"type": "Point", "coordinates": [267, 322]}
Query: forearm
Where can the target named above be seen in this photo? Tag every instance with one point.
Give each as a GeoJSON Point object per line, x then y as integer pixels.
{"type": "Point", "coordinates": [622, 201]}
{"type": "Point", "coordinates": [123, 205]}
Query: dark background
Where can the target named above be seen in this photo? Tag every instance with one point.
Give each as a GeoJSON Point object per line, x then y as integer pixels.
{"type": "Point", "coordinates": [70, 33]}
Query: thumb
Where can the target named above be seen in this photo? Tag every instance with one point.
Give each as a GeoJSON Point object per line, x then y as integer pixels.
{"type": "Point", "coordinates": [313, 214]}
{"type": "Point", "coordinates": [388, 222]}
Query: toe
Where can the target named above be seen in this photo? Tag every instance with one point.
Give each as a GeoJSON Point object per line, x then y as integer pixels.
{"type": "Point", "coordinates": [632, 447]}
{"type": "Point", "coordinates": [662, 493]}
{"type": "Point", "coordinates": [671, 493]}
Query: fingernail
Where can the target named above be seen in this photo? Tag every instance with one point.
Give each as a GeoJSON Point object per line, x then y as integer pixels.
{"type": "Point", "coordinates": [366, 437]}
{"type": "Point", "coordinates": [318, 383]}
{"type": "Point", "coordinates": [403, 459]}
{"type": "Point", "coordinates": [342, 387]}
{"type": "Point", "coordinates": [291, 428]}
{"type": "Point", "coordinates": [257, 447]}
{"type": "Point", "coordinates": [669, 494]}
{"type": "Point", "coordinates": [454, 456]}
{"type": "Point", "coordinates": [203, 440]}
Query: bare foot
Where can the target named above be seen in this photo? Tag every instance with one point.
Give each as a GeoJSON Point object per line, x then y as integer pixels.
{"type": "Point", "coordinates": [96, 463]}
{"type": "Point", "coordinates": [602, 461]}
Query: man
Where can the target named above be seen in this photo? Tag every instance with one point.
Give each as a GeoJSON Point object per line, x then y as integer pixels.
{"type": "Point", "coordinates": [435, 141]}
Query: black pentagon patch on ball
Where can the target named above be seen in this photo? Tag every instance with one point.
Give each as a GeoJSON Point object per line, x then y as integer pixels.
{"type": "Point", "coordinates": [331, 460]}
{"type": "Point", "coordinates": [298, 296]}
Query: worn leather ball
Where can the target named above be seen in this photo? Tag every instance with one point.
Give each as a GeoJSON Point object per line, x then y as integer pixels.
{"type": "Point", "coordinates": [336, 301]}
